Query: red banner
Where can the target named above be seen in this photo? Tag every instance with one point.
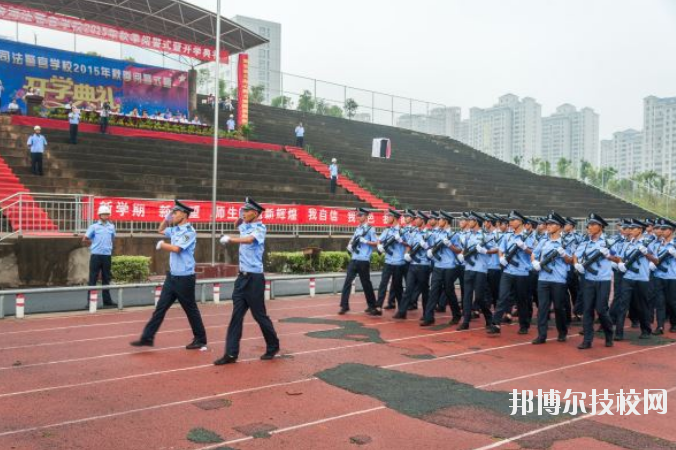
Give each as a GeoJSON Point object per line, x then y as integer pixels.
{"type": "Point", "coordinates": [29, 16]}
{"type": "Point", "coordinates": [243, 89]}
{"type": "Point", "coordinates": [133, 210]}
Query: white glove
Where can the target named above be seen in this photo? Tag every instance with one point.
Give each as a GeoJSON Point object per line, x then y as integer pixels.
{"type": "Point", "coordinates": [224, 239]}
{"type": "Point", "coordinates": [652, 267]}
{"type": "Point", "coordinates": [447, 243]}
{"type": "Point", "coordinates": [425, 245]}
{"type": "Point", "coordinates": [430, 255]}
{"type": "Point", "coordinates": [363, 240]}
{"type": "Point", "coordinates": [536, 266]}
{"type": "Point", "coordinates": [579, 267]}
{"type": "Point", "coordinates": [643, 249]}
{"type": "Point", "coordinates": [461, 258]}
{"type": "Point", "coordinates": [604, 251]}
{"type": "Point", "coordinates": [613, 265]}
{"type": "Point", "coordinates": [159, 245]}
{"type": "Point", "coordinates": [399, 239]}
{"type": "Point", "coordinates": [381, 249]}
{"type": "Point", "coordinates": [407, 258]}
{"type": "Point", "coordinates": [672, 251]}
{"type": "Point", "coordinates": [481, 249]}
{"type": "Point", "coordinates": [561, 251]}
{"type": "Point", "coordinates": [167, 218]}
{"type": "Point", "coordinates": [349, 248]}
{"type": "Point", "coordinates": [521, 244]}
{"type": "Point", "coordinates": [504, 261]}
{"type": "Point", "coordinates": [622, 267]}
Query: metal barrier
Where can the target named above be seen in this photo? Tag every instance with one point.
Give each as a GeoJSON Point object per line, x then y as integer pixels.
{"type": "Point", "coordinates": [215, 284]}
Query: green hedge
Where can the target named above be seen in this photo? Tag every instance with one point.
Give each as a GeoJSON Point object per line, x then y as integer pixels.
{"type": "Point", "coordinates": [296, 262]}
{"type": "Point", "coordinates": [130, 269]}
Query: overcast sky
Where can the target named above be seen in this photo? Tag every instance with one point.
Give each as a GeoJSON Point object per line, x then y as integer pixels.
{"type": "Point", "coordinates": [605, 54]}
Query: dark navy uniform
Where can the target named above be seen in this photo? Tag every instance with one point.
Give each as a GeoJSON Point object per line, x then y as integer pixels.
{"type": "Point", "coordinates": [394, 263]}
{"type": "Point", "coordinates": [665, 275]}
{"type": "Point", "coordinates": [360, 265]}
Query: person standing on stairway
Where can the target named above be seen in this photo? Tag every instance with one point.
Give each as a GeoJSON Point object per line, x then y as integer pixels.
{"type": "Point", "coordinates": [333, 169]}
{"type": "Point", "coordinates": [37, 143]}
{"type": "Point", "coordinates": [300, 135]}
{"type": "Point", "coordinates": [230, 124]}
{"type": "Point", "coordinates": [74, 121]}
{"type": "Point", "coordinates": [100, 237]}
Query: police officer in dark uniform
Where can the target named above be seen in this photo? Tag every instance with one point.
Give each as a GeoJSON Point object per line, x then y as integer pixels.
{"type": "Point", "coordinates": [249, 291]}
{"type": "Point", "coordinates": [180, 281]}
{"type": "Point", "coordinates": [360, 247]}
{"type": "Point", "coordinates": [571, 239]}
{"type": "Point", "coordinates": [408, 228]}
{"type": "Point", "coordinates": [392, 245]}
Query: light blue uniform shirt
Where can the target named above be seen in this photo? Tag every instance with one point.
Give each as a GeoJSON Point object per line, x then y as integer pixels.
{"type": "Point", "coordinates": [602, 266]}
{"type": "Point", "coordinates": [479, 262]}
{"type": "Point", "coordinates": [333, 169]}
{"type": "Point", "coordinates": [558, 266]}
{"type": "Point", "coordinates": [184, 237]}
{"type": "Point", "coordinates": [251, 255]}
{"type": "Point", "coordinates": [397, 249]}
{"type": "Point", "coordinates": [369, 233]}
{"type": "Point", "coordinates": [37, 143]}
{"type": "Point", "coordinates": [420, 236]}
{"type": "Point", "coordinates": [73, 118]}
{"type": "Point", "coordinates": [494, 259]}
{"type": "Point", "coordinates": [522, 259]}
{"type": "Point", "coordinates": [669, 263]}
{"type": "Point", "coordinates": [642, 263]}
{"type": "Point", "coordinates": [447, 258]}
{"type": "Point", "coordinates": [300, 131]}
{"type": "Point", "coordinates": [101, 236]}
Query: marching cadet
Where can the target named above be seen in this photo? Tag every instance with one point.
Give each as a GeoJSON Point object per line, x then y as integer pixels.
{"type": "Point", "coordinates": [392, 244]}
{"type": "Point", "coordinates": [592, 261]}
{"type": "Point", "coordinates": [634, 263]}
{"type": "Point", "coordinates": [653, 238]}
{"type": "Point", "coordinates": [475, 254]}
{"type": "Point", "coordinates": [515, 258]}
{"type": "Point", "coordinates": [551, 260]}
{"type": "Point", "coordinates": [100, 236]}
{"type": "Point", "coordinates": [571, 239]}
{"type": "Point", "coordinates": [494, 268]}
{"type": "Point", "coordinates": [418, 277]}
{"type": "Point", "coordinates": [249, 290]}
{"type": "Point", "coordinates": [180, 281]}
{"type": "Point", "coordinates": [445, 271]}
{"type": "Point", "coordinates": [408, 228]}
{"type": "Point", "coordinates": [665, 277]}
{"type": "Point", "coordinates": [360, 247]}
{"type": "Point", "coordinates": [618, 248]}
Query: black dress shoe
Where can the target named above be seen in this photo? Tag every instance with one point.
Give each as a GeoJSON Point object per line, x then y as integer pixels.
{"type": "Point", "coordinates": [539, 341]}
{"type": "Point", "coordinates": [226, 359]}
{"type": "Point", "coordinates": [413, 307]}
{"type": "Point", "coordinates": [581, 332]}
{"type": "Point", "coordinates": [507, 320]}
{"type": "Point", "coordinates": [584, 346]}
{"type": "Point", "coordinates": [645, 336]}
{"type": "Point", "coordinates": [142, 343]}
{"type": "Point", "coordinates": [426, 323]}
{"type": "Point", "coordinates": [635, 325]}
{"type": "Point", "coordinates": [618, 338]}
{"type": "Point", "coordinates": [343, 311]}
{"type": "Point", "coordinates": [368, 310]}
{"type": "Point", "coordinates": [454, 321]}
{"type": "Point", "coordinates": [609, 341]}
{"type": "Point", "coordinates": [389, 307]}
{"type": "Point", "coordinates": [523, 330]}
{"type": "Point", "coordinates": [658, 332]}
{"type": "Point", "coordinates": [195, 345]}
{"type": "Point", "coordinates": [494, 329]}
{"type": "Point", "coordinates": [270, 354]}
{"type": "Point", "coordinates": [463, 326]}
{"type": "Point", "coordinates": [440, 310]}
{"type": "Point", "coordinates": [562, 338]}
{"type": "Point", "coordinates": [399, 315]}
{"type": "Point", "coordinates": [376, 312]}
{"type": "Point", "coordinates": [109, 306]}
{"type": "Point", "coordinates": [475, 314]}
{"type": "Point", "coordinates": [672, 329]}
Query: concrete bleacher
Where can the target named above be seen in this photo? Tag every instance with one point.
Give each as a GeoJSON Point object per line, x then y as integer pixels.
{"type": "Point", "coordinates": [145, 168]}
{"type": "Point", "coordinates": [430, 172]}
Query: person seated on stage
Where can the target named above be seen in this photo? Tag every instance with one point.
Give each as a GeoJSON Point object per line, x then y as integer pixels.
{"type": "Point", "coordinates": [30, 92]}
{"type": "Point", "coordinates": [145, 115]}
{"type": "Point", "coordinates": [133, 113]}
{"type": "Point", "coordinates": [167, 114]}
{"type": "Point", "coordinates": [227, 105]}
{"type": "Point", "coordinates": [183, 119]}
{"type": "Point", "coordinates": [153, 116]}
{"type": "Point", "coordinates": [196, 120]}
{"type": "Point", "coordinates": [13, 107]}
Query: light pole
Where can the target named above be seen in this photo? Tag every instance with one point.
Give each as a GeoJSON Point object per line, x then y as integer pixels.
{"type": "Point", "coordinates": [215, 168]}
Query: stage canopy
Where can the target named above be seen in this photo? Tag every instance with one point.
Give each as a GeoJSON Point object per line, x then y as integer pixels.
{"type": "Point", "coordinates": [177, 20]}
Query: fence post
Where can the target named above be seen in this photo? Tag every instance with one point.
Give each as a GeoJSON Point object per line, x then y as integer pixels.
{"type": "Point", "coordinates": [272, 289]}
{"type": "Point", "coordinates": [20, 214]}
{"type": "Point", "coordinates": [333, 285]}
{"type": "Point", "coordinates": [312, 287]}
{"type": "Point", "coordinates": [20, 304]}
{"type": "Point", "coordinates": [93, 300]}
{"type": "Point", "coordinates": [2, 306]}
{"type": "Point", "coordinates": [203, 298]}
{"type": "Point", "coordinates": [268, 285]}
{"type": "Point", "coordinates": [120, 299]}
{"type": "Point", "coordinates": [217, 293]}
{"type": "Point", "coordinates": [354, 288]}
{"type": "Point", "coordinates": [158, 291]}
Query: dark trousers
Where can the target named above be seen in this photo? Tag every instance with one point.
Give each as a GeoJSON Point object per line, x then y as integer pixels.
{"type": "Point", "coordinates": [513, 287]}
{"type": "Point", "coordinates": [442, 285]}
{"type": "Point", "coordinates": [36, 163]}
{"type": "Point", "coordinates": [104, 125]}
{"type": "Point", "coordinates": [475, 286]}
{"type": "Point", "coordinates": [578, 309]}
{"type": "Point", "coordinates": [363, 269]}
{"type": "Point", "coordinates": [299, 141]}
{"type": "Point", "coordinates": [417, 282]}
{"type": "Point", "coordinates": [73, 133]}
{"type": "Point", "coordinates": [533, 277]}
{"type": "Point", "coordinates": [493, 285]}
{"type": "Point", "coordinates": [461, 281]}
{"type": "Point", "coordinates": [617, 294]}
{"type": "Point", "coordinates": [249, 294]}
{"type": "Point", "coordinates": [572, 286]}
{"type": "Point", "coordinates": [396, 274]}
{"type": "Point", "coordinates": [334, 181]}
{"type": "Point", "coordinates": [548, 293]}
{"type": "Point", "coordinates": [652, 297]}
{"type": "Point", "coordinates": [637, 291]}
{"type": "Point", "coordinates": [181, 288]}
{"type": "Point", "coordinates": [595, 295]}
{"type": "Point", "coordinates": [665, 301]}
{"type": "Point", "coordinates": [100, 264]}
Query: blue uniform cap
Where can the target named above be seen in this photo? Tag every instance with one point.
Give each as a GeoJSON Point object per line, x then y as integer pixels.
{"type": "Point", "coordinates": [178, 206]}
{"type": "Point", "coordinates": [423, 216]}
{"type": "Point", "coordinates": [394, 213]}
{"type": "Point", "coordinates": [636, 223]}
{"type": "Point", "coordinates": [595, 218]}
{"type": "Point", "coordinates": [363, 211]}
{"type": "Point", "coordinates": [516, 215]}
{"type": "Point", "coordinates": [251, 205]}
{"type": "Point", "coordinates": [445, 215]}
{"type": "Point", "coordinates": [663, 222]}
{"type": "Point", "coordinates": [409, 213]}
{"type": "Point", "coordinates": [571, 221]}
{"type": "Point", "coordinates": [555, 218]}
{"type": "Point", "coordinates": [476, 216]}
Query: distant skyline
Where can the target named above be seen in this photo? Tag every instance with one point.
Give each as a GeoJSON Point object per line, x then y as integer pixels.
{"type": "Point", "coordinates": [603, 54]}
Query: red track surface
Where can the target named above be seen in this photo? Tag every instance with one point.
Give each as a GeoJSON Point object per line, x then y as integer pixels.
{"type": "Point", "coordinates": [73, 382]}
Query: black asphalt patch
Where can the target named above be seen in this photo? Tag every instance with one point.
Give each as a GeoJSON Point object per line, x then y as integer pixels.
{"type": "Point", "coordinates": [349, 330]}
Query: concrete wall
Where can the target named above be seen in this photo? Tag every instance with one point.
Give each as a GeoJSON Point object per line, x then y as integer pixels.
{"type": "Point", "coordinates": [61, 262]}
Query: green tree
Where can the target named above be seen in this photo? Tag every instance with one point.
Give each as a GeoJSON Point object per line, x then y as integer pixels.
{"type": "Point", "coordinates": [652, 179]}
{"type": "Point", "coordinates": [544, 167]}
{"type": "Point", "coordinates": [350, 107]}
{"type": "Point", "coordinates": [257, 94]}
{"type": "Point", "coordinates": [92, 53]}
{"type": "Point", "coordinates": [282, 102]}
{"type": "Point", "coordinates": [222, 89]}
{"type": "Point", "coordinates": [130, 59]}
{"type": "Point", "coordinates": [306, 102]}
{"type": "Point", "coordinates": [535, 163]}
{"type": "Point", "coordinates": [321, 107]}
{"type": "Point", "coordinates": [517, 160]}
{"type": "Point", "coordinates": [334, 111]}
{"type": "Point", "coordinates": [203, 77]}
{"type": "Point", "coordinates": [563, 167]}
{"type": "Point", "coordinates": [587, 171]}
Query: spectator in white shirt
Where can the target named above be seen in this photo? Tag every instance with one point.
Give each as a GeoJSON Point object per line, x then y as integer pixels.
{"type": "Point", "coordinates": [333, 170]}
{"type": "Point", "coordinates": [300, 135]}
{"type": "Point", "coordinates": [13, 107]}
{"type": "Point", "coordinates": [230, 124]}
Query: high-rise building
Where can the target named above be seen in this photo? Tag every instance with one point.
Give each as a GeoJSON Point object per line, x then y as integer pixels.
{"type": "Point", "coordinates": [571, 134]}
{"type": "Point", "coordinates": [659, 136]}
{"type": "Point", "coordinates": [624, 153]}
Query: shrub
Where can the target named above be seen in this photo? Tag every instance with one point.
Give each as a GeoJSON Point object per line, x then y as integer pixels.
{"type": "Point", "coordinates": [297, 263]}
{"type": "Point", "coordinates": [130, 269]}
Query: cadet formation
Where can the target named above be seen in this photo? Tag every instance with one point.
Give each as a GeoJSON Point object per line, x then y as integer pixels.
{"type": "Point", "coordinates": [510, 269]}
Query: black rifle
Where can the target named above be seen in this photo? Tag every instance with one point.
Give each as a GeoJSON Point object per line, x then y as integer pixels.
{"type": "Point", "coordinates": [514, 249]}
{"type": "Point", "coordinates": [354, 242]}
{"type": "Point", "coordinates": [548, 259]}
{"type": "Point", "coordinates": [634, 256]}
{"type": "Point", "coordinates": [661, 259]}
{"type": "Point", "coordinates": [595, 256]}
{"type": "Point", "coordinates": [387, 243]}
{"type": "Point", "coordinates": [417, 247]}
{"type": "Point", "coordinates": [439, 245]}
{"type": "Point", "coordinates": [471, 252]}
